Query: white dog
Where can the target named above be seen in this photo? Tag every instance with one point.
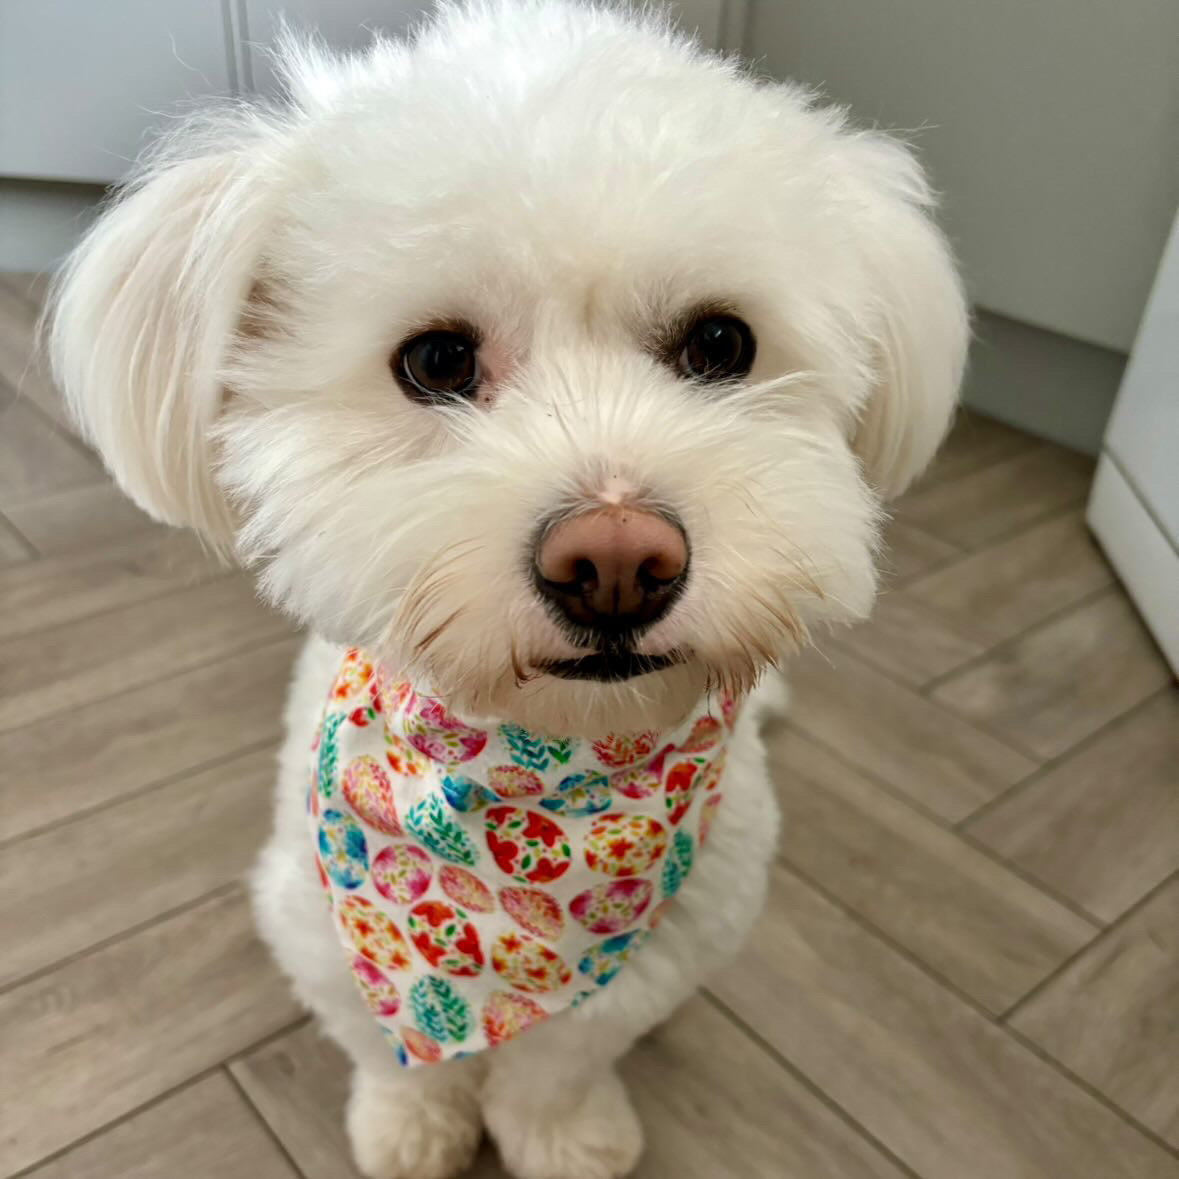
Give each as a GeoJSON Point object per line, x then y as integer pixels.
{"type": "Point", "coordinates": [562, 369]}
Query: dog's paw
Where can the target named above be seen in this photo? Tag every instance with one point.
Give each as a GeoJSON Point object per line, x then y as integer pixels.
{"type": "Point", "coordinates": [598, 1139]}
{"type": "Point", "coordinates": [402, 1131]}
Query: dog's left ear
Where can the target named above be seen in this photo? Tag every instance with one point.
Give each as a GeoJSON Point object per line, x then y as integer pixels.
{"type": "Point", "coordinates": [916, 313]}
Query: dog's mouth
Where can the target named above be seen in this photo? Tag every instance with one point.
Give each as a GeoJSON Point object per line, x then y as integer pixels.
{"type": "Point", "coordinates": [611, 667]}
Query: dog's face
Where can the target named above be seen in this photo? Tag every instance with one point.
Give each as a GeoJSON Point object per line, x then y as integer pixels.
{"type": "Point", "coordinates": [566, 368]}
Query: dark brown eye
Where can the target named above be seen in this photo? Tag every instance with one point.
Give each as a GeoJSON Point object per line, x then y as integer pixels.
{"type": "Point", "coordinates": [438, 365]}
{"type": "Point", "coordinates": [716, 348]}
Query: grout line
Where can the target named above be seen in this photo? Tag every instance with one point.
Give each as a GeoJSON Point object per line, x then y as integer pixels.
{"type": "Point", "coordinates": [222, 657]}
{"type": "Point", "coordinates": [1113, 927]}
{"type": "Point", "coordinates": [126, 601]}
{"type": "Point", "coordinates": [274, 741]}
{"type": "Point", "coordinates": [267, 1128]}
{"type": "Point", "coordinates": [963, 825]}
{"type": "Point", "coordinates": [995, 542]}
{"type": "Point", "coordinates": [59, 429]}
{"type": "Point", "coordinates": [910, 956]}
{"type": "Point", "coordinates": [1011, 640]}
{"type": "Point", "coordinates": [114, 608]}
{"type": "Point", "coordinates": [992, 1019]}
{"type": "Point", "coordinates": [122, 935]}
{"type": "Point", "coordinates": [1007, 534]}
{"type": "Point", "coordinates": [6, 525]}
{"type": "Point", "coordinates": [805, 1081]}
{"type": "Point", "coordinates": [1030, 879]}
{"type": "Point", "coordinates": [1013, 448]}
{"type": "Point", "coordinates": [950, 828]}
{"type": "Point", "coordinates": [172, 1091]}
{"type": "Point", "coordinates": [850, 653]}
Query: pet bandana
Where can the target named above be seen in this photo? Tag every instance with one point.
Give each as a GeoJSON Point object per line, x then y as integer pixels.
{"type": "Point", "coordinates": [484, 878]}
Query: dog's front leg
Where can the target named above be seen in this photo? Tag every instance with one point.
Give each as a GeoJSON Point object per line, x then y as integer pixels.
{"type": "Point", "coordinates": [554, 1103]}
{"type": "Point", "coordinates": [420, 1123]}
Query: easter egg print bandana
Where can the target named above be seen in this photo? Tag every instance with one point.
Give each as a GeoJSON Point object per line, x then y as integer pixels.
{"type": "Point", "coordinates": [482, 878]}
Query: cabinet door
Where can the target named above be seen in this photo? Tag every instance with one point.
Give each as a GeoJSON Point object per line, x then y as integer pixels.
{"type": "Point", "coordinates": [83, 82]}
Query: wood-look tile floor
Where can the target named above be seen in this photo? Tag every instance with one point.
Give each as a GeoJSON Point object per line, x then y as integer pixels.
{"type": "Point", "coordinates": [968, 967]}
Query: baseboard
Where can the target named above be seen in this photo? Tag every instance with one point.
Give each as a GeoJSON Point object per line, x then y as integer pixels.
{"type": "Point", "coordinates": [1048, 384]}
{"type": "Point", "coordinates": [40, 221]}
{"type": "Point", "coordinates": [1137, 547]}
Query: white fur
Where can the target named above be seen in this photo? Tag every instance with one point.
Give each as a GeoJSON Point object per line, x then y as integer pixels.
{"type": "Point", "coordinates": [571, 180]}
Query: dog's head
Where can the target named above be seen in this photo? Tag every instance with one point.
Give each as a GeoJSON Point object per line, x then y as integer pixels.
{"type": "Point", "coordinates": [565, 366]}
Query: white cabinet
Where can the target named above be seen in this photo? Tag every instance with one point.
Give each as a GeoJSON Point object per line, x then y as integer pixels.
{"type": "Point", "coordinates": [1135, 505]}
{"type": "Point", "coordinates": [84, 82]}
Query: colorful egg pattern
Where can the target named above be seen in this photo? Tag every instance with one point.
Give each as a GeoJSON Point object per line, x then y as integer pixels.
{"type": "Point", "coordinates": [534, 752]}
{"type": "Point", "coordinates": [603, 961]}
{"type": "Point", "coordinates": [390, 693]}
{"type": "Point", "coordinates": [624, 749]}
{"type": "Point", "coordinates": [403, 758]}
{"type": "Point", "coordinates": [513, 782]}
{"type": "Point", "coordinates": [401, 873]}
{"type": "Point", "coordinates": [708, 816]}
{"type": "Point", "coordinates": [463, 793]}
{"type": "Point", "coordinates": [425, 1049]}
{"type": "Point", "coordinates": [353, 677]}
{"type": "Point", "coordinates": [587, 793]}
{"type": "Point", "coordinates": [373, 934]}
{"type": "Point", "coordinates": [440, 1011]}
{"type": "Point", "coordinates": [434, 825]}
{"type": "Point", "coordinates": [327, 754]}
{"type": "Point", "coordinates": [729, 708]}
{"type": "Point", "coordinates": [681, 778]}
{"type": "Point", "coordinates": [506, 1014]}
{"type": "Point", "coordinates": [379, 992]}
{"type": "Point", "coordinates": [450, 855]}
{"type": "Point", "coordinates": [678, 863]}
{"type": "Point", "coordinates": [370, 794]}
{"type": "Point", "coordinates": [433, 731]}
{"type": "Point", "coordinates": [527, 845]}
{"type": "Point", "coordinates": [639, 781]}
{"type": "Point", "coordinates": [624, 845]}
{"type": "Point", "coordinates": [706, 734]}
{"type": "Point", "coordinates": [528, 965]}
{"type": "Point", "coordinates": [535, 911]}
{"type": "Point", "coordinates": [445, 937]}
{"type": "Point", "coordinates": [711, 776]}
{"type": "Point", "coordinates": [466, 889]}
{"type": "Point", "coordinates": [343, 850]}
{"type": "Point", "coordinates": [610, 908]}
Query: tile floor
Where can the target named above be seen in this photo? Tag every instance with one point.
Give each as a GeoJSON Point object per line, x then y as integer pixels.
{"type": "Point", "coordinates": [968, 968]}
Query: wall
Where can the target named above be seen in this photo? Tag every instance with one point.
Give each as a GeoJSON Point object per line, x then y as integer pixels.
{"type": "Point", "coordinates": [1050, 125]}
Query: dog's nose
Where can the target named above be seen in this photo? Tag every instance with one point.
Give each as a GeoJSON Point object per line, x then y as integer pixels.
{"type": "Point", "coordinates": [614, 568]}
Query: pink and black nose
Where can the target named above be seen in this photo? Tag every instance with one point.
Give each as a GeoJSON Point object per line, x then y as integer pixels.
{"type": "Point", "coordinates": [613, 569]}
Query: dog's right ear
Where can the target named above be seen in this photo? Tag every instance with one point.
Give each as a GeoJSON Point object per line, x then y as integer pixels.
{"type": "Point", "coordinates": [142, 318]}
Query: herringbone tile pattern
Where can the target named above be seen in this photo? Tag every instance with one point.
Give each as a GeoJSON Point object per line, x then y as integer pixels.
{"type": "Point", "coordinates": [968, 967]}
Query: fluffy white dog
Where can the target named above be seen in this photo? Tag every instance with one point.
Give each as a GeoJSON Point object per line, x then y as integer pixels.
{"type": "Point", "coordinates": [562, 368]}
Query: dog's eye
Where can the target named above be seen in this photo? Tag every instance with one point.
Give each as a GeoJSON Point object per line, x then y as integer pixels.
{"type": "Point", "coordinates": [438, 364]}
{"type": "Point", "coordinates": [716, 348]}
